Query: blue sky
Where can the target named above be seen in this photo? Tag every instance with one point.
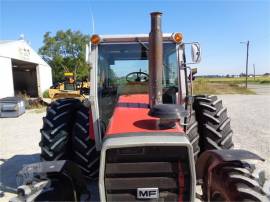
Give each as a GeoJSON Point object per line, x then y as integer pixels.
{"type": "Point", "coordinates": [218, 25]}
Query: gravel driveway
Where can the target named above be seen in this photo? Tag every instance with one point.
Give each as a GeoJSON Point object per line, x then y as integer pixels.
{"type": "Point", "coordinates": [260, 89]}
{"type": "Point", "coordinates": [250, 116]}
{"type": "Point", "coordinates": [19, 137]}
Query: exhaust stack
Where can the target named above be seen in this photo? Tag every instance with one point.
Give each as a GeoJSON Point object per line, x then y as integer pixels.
{"type": "Point", "coordinates": [155, 60]}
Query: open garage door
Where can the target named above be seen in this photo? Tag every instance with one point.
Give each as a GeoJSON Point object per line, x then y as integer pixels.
{"type": "Point", "coordinates": [25, 78]}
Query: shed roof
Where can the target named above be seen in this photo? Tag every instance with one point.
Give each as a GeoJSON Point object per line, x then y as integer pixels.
{"type": "Point", "coordinates": [19, 50]}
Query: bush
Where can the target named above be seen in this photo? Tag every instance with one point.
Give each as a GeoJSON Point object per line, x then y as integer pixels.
{"type": "Point", "coordinates": [45, 94]}
{"type": "Point", "coordinates": [32, 103]}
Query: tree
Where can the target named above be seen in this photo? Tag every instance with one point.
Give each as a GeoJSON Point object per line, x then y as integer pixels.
{"type": "Point", "coordinates": [65, 52]}
{"type": "Point", "coordinates": [242, 74]}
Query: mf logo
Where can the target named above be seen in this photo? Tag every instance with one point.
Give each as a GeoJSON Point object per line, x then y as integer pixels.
{"type": "Point", "coordinates": [146, 193]}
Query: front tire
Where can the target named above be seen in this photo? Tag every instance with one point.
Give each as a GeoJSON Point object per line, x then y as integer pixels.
{"type": "Point", "coordinates": [238, 184]}
{"type": "Point", "coordinates": [214, 124]}
{"type": "Point", "coordinates": [57, 128]}
{"type": "Point", "coordinates": [191, 130]}
{"type": "Point", "coordinates": [83, 147]}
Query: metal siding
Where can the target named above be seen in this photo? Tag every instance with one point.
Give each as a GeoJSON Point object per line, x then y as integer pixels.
{"type": "Point", "coordinates": [44, 78]}
{"type": "Point", "coordinates": [6, 78]}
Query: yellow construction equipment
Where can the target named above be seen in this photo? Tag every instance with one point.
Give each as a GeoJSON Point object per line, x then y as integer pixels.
{"type": "Point", "coordinates": [70, 88]}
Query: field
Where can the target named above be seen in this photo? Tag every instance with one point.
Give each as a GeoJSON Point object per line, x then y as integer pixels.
{"type": "Point", "coordinates": [227, 85]}
{"type": "Point", "coordinates": [240, 80]}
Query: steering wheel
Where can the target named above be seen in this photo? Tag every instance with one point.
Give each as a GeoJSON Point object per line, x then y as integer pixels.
{"type": "Point", "coordinates": [137, 77]}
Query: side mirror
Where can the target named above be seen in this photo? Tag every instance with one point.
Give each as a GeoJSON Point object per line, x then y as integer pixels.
{"type": "Point", "coordinates": [194, 71]}
{"type": "Point", "coordinates": [196, 52]}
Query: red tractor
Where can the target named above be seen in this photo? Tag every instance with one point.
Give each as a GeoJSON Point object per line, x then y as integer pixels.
{"type": "Point", "coordinates": [142, 134]}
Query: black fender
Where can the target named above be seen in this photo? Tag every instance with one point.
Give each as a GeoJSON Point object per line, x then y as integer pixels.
{"type": "Point", "coordinates": [210, 159]}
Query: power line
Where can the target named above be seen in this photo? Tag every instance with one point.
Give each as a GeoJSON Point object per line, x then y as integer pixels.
{"type": "Point", "coordinates": [247, 43]}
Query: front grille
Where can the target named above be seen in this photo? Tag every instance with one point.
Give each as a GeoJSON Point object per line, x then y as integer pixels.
{"type": "Point", "coordinates": [163, 167]}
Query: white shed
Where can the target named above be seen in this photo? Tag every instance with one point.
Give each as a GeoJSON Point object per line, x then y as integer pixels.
{"type": "Point", "coordinates": [22, 70]}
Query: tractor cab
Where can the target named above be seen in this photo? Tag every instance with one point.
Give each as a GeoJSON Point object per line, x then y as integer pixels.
{"type": "Point", "coordinates": [120, 69]}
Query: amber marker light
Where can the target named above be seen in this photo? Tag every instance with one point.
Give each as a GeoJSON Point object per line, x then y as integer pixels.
{"type": "Point", "coordinates": [95, 39]}
{"type": "Point", "coordinates": [177, 37]}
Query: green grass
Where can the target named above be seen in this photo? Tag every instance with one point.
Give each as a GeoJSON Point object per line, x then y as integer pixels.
{"type": "Point", "coordinates": [216, 86]}
{"type": "Point", "coordinates": [46, 94]}
{"type": "Point", "coordinates": [226, 85]}
{"type": "Point", "coordinates": [257, 80]}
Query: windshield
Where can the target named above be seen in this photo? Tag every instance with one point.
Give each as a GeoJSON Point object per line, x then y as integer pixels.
{"type": "Point", "coordinates": [117, 61]}
{"type": "Point", "coordinates": [123, 70]}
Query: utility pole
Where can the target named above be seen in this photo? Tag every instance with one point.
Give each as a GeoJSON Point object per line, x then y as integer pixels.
{"type": "Point", "coordinates": [247, 43]}
{"type": "Point", "coordinates": [254, 71]}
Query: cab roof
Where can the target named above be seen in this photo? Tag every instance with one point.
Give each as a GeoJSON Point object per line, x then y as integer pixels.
{"type": "Point", "coordinates": [131, 38]}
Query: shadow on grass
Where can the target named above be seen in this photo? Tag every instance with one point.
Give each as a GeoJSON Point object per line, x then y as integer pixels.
{"type": "Point", "coordinates": [10, 167]}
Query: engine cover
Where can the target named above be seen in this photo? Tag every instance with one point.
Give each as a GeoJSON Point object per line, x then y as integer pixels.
{"type": "Point", "coordinates": [138, 167]}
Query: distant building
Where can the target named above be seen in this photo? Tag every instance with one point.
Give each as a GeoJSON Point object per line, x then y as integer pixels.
{"type": "Point", "coordinates": [22, 70]}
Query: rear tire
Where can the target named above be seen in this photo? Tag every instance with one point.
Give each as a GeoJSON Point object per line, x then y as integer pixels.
{"type": "Point", "coordinates": [214, 125]}
{"type": "Point", "coordinates": [56, 130]}
{"type": "Point", "coordinates": [238, 184]}
{"type": "Point", "coordinates": [84, 150]}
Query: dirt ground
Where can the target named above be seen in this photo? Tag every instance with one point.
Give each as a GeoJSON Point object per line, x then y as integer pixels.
{"type": "Point", "coordinates": [19, 137]}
